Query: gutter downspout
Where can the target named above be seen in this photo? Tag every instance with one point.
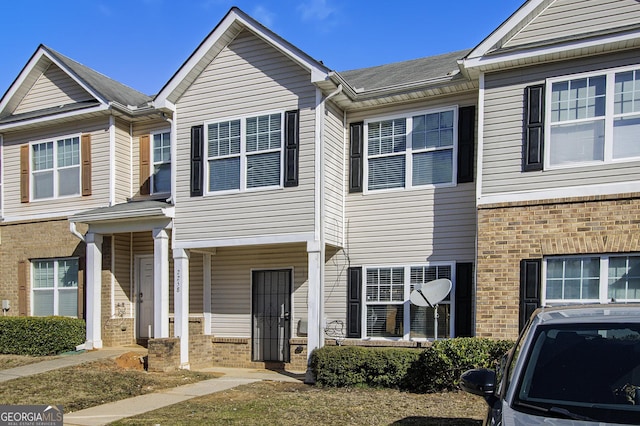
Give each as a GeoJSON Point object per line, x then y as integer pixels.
{"type": "Point", "coordinates": [74, 231]}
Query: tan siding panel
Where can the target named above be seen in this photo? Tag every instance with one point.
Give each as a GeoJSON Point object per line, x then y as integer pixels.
{"type": "Point", "coordinates": [566, 18]}
{"type": "Point", "coordinates": [123, 282]}
{"type": "Point", "coordinates": [502, 159]}
{"type": "Point", "coordinates": [123, 161]}
{"type": "Point", "coordinates": [334, 148]}
{"type": "Point", "coordinates": [53, 88]}
{"type": "Point", "coordinates": [248, 77]}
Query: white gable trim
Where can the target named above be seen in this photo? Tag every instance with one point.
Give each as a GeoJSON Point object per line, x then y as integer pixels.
{"type": "Point", "coordinates": [505, 28]}
{"type": "Point", "coordinates": [57, 116]}
{"type": "Point", "coordinates": [318, 72]}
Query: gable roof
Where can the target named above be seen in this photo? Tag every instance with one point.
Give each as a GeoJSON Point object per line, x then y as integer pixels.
{"type": "Point", "coordinates": [104, 90]}
{"type": "Point", "coordinates": [234, 22]}
{"type": "Point", "coordinates": [502, 49]}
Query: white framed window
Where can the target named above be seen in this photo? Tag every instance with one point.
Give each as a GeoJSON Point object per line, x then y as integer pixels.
{"type": "Point", "coordinates": [593, 118]}
{"type": "Point", "coordinates": [54, 287]}
{"type": "Point", "coordinates": [245, 153]}
{"type": "Point", "coordinates": [388, 311]}
{"type": "Point", "coordinates": [415, 150]}
{"type": "Point", "coordinates": [55, 168]}
{"type": "Point", "coordinates": [161, 160]}
{"type": "Point", "coordinates": [592, 279]}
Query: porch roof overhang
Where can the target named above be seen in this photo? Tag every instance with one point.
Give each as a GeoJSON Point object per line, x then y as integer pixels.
{"type": "Point", "coordinates": [133, 216]}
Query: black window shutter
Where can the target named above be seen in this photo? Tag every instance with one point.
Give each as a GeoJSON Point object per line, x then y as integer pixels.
{"type": "Point", "coordinates": [530, 287]}
{"type": "Point", "coordinates": [464, 300]}
{"type": "Point", "coordinates": [466, 143]}
{"type": "Point", "coordinates": [533, 140]}
{"type": "Point", "coordinates": [354, 302]}
{"type": "Point", "coordinates": [356, 161]}
{"type": "Point", "coordinates": [197, 163]}
{"type": "Point", "coordinates": [291, 147]}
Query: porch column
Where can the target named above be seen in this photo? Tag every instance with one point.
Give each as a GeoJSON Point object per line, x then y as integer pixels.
{"type": "Point", "coordinates": [93, 287]}
{"type": "Point", "coordinates": [181, 303]}
{"type": "Point", "coordinates": [160, 283]}
{"type": "Point", "coordinates": [314, 318]}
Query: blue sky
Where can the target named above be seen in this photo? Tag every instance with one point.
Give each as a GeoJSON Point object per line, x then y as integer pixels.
{"type": "Point", "coordinates": [142, 43]}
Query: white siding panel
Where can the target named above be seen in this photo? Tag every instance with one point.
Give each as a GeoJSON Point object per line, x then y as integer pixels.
{"type": "Point", "coordinates": [504, 108]}
{"type": "Point", "coordinates": [99, 130]}
{"type": "Point", "coordinates": [567, 18]}
{"type": "Point", "coordinates": [247, 77]}
{"type": "Point", "coordinates": [334, 153]}
{"type": "Point", "coordinates": [54, 88]}
{"type": "Point", "coordinates": [231, 284]}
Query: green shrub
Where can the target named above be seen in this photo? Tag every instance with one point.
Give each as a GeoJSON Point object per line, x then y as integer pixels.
{"type": "Point", "coordinates": [38, 336]}
{"type": "Point", "coordinates": [434, 369]}
{"type": "Point", "coordinates": [439, 367]}
{"type": "Point", "coordinates": [343, 366]}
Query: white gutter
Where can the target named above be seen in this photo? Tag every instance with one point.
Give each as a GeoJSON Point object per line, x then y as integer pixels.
{"type": "Point", "coordinates": [74, 231]}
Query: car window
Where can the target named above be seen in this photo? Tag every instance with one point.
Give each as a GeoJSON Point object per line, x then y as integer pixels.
{"type": "Point", "coordinates": [591, 370]}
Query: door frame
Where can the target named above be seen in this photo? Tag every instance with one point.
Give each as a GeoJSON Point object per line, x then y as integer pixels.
{"type": "Point", "coordinates": [137, 270]}
{"type": "Point", "coordinates": [289, 328]}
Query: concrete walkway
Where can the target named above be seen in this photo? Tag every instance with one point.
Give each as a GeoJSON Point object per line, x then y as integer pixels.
{"type": "Point", "coordinates": [103, 414]}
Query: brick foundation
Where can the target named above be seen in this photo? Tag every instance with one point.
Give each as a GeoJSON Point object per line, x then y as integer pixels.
{"type": "Point", "coordinates": [508, 233]}
{"type": "Point", "coordinates": [164, 354]}
{"type": "Point", "coordinates": [118, 332]}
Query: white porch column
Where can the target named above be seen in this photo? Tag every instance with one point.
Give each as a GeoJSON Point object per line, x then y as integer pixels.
{"type": "Point", "coordinates": [206, 292]}
{"type": "Point", "coordinates": [181, 303]}
{"type": "Point", "coordinates": [160, 283]}
{"type": "Point", "coordinates": [315, 335]}
{"type": "Point", "coordinates": [93, 289]}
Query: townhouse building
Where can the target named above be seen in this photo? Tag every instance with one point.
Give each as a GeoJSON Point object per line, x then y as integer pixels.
{"type": "Point", "coordinates": [262, 205]}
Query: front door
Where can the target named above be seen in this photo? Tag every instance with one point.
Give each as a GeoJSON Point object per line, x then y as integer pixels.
{"type": "Point", "coordinates": [145, 297]}
{"type": "Point", "coordinates": [271, 313]}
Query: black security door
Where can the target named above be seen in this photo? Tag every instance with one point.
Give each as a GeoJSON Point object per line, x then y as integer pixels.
{"type": "Point", "coordinates": [271, 312]}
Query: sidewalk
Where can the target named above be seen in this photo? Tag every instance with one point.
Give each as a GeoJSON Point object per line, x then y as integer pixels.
{"type": "Point", "coordinates": [113, 411]}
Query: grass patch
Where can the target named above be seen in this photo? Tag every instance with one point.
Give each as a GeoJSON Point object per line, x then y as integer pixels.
{"type": "Point", "coordinates": [11, 361]}
{"type": "Point", "coordinates": [297, 404]}
{"type": "Point", "coordinates": [91, 384]}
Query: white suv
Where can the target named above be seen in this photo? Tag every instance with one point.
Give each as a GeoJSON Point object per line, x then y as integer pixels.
{"type": "Point", "coordinates": [577, 365]}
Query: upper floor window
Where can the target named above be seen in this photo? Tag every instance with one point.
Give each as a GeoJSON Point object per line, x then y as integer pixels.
{"type": "Point", "coordinates": [244, 153]}
{"type": "Point", "coordinates": [55, 287]}
{"type": "Point", "coordinates": [594, 118]}
{"type": "Point", "coordinates": [161, 178]}
{"type": "Point", "coordinates": [55, 168]}
{"type": "Point", "coordinates": [412, 151]}
{"type": "Point", "coordinates": [597, 278]}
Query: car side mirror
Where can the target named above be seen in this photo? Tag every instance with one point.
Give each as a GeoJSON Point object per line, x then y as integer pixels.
{"type": "Point", "coordinates": [479, 381]}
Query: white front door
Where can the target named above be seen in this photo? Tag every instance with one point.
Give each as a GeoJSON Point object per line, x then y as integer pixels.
{"type": "Point", "coordinates": [145, 297]}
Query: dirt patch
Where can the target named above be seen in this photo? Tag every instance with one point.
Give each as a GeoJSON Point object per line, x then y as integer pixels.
{"type": "Point", "coordinates": [131, 361]}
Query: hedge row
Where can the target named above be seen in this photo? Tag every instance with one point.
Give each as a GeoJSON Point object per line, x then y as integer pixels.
{"type": "Point", "coordinates": [38, 336]}
{"type": "Point", "coordinates": [434, 369]}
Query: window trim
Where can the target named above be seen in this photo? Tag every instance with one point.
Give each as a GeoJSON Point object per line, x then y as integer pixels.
{"type": "Point", "coordinates": [54, 140]}
{"type": "Point", "coordinates": [243, 155]}
{"type": "Point", "coordinates": [56, 288]}
{"type": "Point", "coordinates": [406, 303]}
{"type": "Point", "coordinates": [608, 118]}
{"type": "Point", "coordinates": [603, 283]}
{"type": "Point", "coordinates": [153, 163]}
{"type": "Point", "coordinates": [408, 178]}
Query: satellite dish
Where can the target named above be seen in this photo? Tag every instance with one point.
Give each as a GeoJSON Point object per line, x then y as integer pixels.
{"type": "Point", "coordinates": [431, 293]}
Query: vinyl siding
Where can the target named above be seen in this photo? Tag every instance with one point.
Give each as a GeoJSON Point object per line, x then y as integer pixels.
{"type": "Point", "coordinates": [231, 285]}
{"type": "Point", "coordinates": [123, 162]}
{"type": "Point", "coordinates": [502, 156]}
{"type": "Point", "coordinates": [53, 88]}
{"type": "Point", "coordinates": [123, 283]}
{"type": "Point", "coordinates": [334, 153]}
{"type": "Point", "coordinates": [99, 130]}
{"type": "Point", "coordinates": [408, 226]}
{"type": "Point", "coordinates": [569, 18]}
{"type": "Point", "coordinates": [248, 77]}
